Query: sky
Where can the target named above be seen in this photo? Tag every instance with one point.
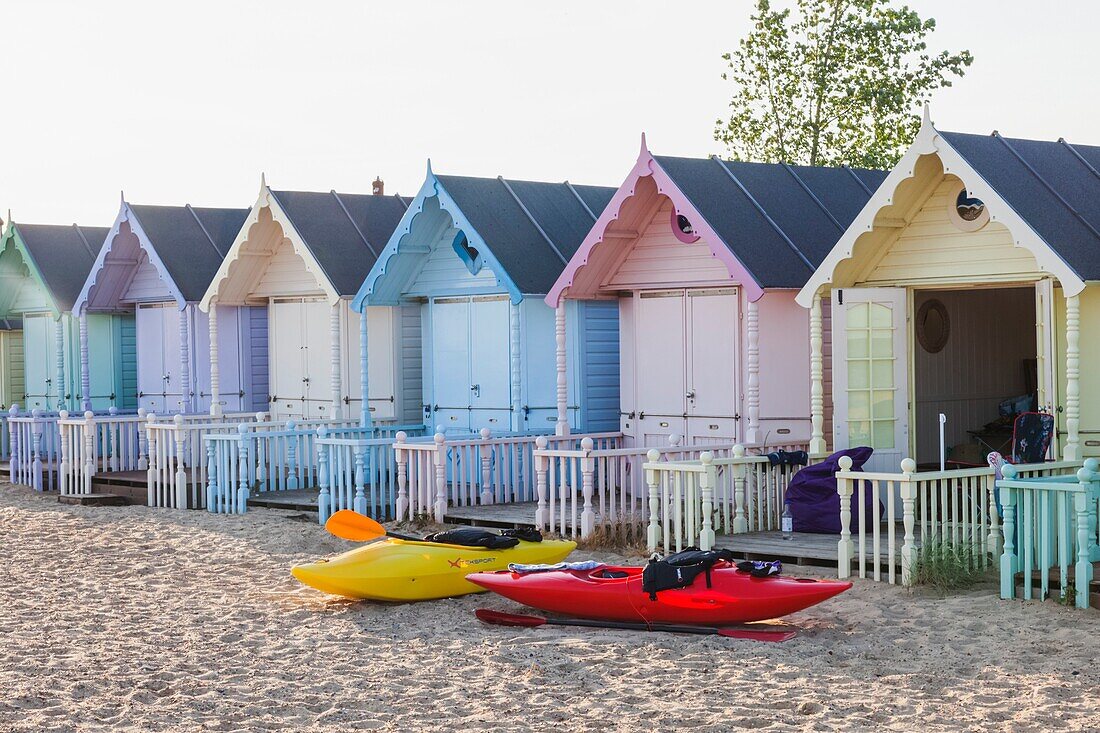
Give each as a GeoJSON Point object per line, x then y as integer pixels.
{"type": "Point", "coordinates": [188, 102]}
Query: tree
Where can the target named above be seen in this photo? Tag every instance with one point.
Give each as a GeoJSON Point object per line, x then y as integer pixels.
{"type": "Point", "coordinates": [841, 82]}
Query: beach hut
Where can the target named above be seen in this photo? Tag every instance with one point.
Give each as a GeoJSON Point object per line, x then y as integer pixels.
{"type": "Point", "coordinates": [703, 258]}
{"type": "Point", "coordinates": [301, 256]}
{"type": "Point", "coordinates": [42, 268]}
{"type": "Point", "coordinates": [475, 256]}
{"type": "Point", "coordinates": [154, 267]}
{"type": "Point", "coordinates": [963, 289]}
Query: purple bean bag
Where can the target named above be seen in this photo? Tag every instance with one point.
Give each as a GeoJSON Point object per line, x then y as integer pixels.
{"type": "Point", "coordinates": [815, 505]}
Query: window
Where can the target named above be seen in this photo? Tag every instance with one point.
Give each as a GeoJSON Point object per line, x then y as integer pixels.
{"type": "Point", "coordinates": [468, 254]}
{"type": "Point", "coordinates": [683, 228]}
{"type": "Point", "coordinates": [966, 212]}
{"type": "Point", "coordinates": [871, 385]}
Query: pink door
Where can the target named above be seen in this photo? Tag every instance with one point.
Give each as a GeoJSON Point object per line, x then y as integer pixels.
{"type": "Point", "coordinates": [713, 336]}
{"type": "Point", "coordinates": [660, 363]}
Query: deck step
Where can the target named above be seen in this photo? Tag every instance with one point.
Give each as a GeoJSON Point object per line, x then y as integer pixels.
{"type": "Point", "coordinates": [94, 499]}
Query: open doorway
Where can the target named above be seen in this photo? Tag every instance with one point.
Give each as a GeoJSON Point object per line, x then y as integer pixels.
{"type": "Point", "coordinates": [974, 362]}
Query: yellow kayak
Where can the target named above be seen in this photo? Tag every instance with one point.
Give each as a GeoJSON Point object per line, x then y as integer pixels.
{"type": "Point", "coordinates": [404, 570]}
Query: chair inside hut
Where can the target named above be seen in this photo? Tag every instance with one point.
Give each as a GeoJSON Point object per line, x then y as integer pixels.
{"type": "Point", "coordinates": [976, 364]}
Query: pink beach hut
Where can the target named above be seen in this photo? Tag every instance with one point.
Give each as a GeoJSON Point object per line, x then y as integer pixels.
{"type": "Point", "coordinates": [705, 257]}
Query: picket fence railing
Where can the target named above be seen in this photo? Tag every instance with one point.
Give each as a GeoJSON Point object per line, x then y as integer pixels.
{"type": "Point", "coordinates": [1049, 522]}
{"type": "Point", "coordinates": [177, 457]}
{"type": "Point", "coordinates": [263, 458]}
{"type": "Point", "coordinates": [727, 491]}
{"type": "Point", "coordinates": [34, 447]}
{"type": "Point", "coordinates": [466, 470]}
{"type": "Point", "coordinates": [955, 509]}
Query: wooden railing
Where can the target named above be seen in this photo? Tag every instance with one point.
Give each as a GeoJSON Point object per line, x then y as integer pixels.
{"type": "Point", "coordinates": [177, 457]}
{"type": "Point", "coordinates": [723, 491]}
{"type": "Point", "coordinates": [468, 470]}
{"type": "Point", "coordinates": [262, 457]}
{"type": "Point", "coordinates": [1049, 522]}
{"type": "Point", "coordinates": [949, 508]}
{"type": "Point", "coordinates": [34, 448]}
{"type": "Point", "coordinates": [359, 471]}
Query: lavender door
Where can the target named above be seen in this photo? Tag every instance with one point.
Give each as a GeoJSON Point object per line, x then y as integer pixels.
{"type": "Point", "coordinates": [159, 379]}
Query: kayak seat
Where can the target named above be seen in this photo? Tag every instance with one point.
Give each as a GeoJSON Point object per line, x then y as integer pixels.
{"type": "Point", "coordinates": [610, 574]}
{"type": "Point", "coordinates": [473, 537]}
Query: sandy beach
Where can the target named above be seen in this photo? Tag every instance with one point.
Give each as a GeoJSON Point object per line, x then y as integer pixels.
{"type": "Point", "coordinates": [127, 619]}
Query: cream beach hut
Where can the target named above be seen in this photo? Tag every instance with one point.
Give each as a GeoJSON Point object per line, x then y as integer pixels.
{"type": "Point", "coordinates": [967, 279]}
{"type": "Point", "coordinates": [302, 256]}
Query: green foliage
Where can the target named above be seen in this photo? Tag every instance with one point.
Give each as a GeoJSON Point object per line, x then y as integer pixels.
{"type": "Point", "coordinates": [838, 83]}
{"type": "Point", "coordinates": [946, 566]}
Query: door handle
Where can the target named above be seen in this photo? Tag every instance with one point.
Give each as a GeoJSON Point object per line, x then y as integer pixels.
{"type": "Point", "coordinates": [476, 389]}
{"type": "Point", "coordinates": [690, 395]}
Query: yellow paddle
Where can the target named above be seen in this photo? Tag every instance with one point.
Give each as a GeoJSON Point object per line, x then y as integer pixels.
{"type": "Point", "coordinates": [349, 525]}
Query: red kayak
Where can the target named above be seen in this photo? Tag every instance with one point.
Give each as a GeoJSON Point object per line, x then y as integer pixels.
{"type": "Point", "coordinates": [614, 593]}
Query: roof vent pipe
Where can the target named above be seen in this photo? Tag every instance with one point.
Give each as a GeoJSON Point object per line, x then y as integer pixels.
{"type": "Point", "coordinates": [379, 186]}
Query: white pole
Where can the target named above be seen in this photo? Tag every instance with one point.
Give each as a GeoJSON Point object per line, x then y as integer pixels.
{"type": "Point", "coordinates": [943, 446]}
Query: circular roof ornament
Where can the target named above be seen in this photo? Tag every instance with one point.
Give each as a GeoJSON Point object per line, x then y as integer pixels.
{"type": "Point", "coordinates": [683, 228]}
{"type": "Point", "coordinates": [967, 212]}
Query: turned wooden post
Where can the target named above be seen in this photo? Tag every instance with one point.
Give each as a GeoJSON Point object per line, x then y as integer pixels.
{"type": "Point", "coordinates": [1071, 451]}
{"type": "Point", "coordinates": [707, 479]}
{"type": "Point", "coordinates": [13, 444]}
{"type": "Point", "coordinates": [562, 425]}
{"type": "Point", "coordinates": [111, 424]}
{"type": "Point", "coordinates": [440, 462]}
{"type": "Point", "coordinates": [243, 489]}
{"type": "Point", "coordinates": [653, 533]}
{"type": "Point", "coordinates": [486, 453]}
{"type": "Point", "coordinates": [335, 361]}
{"type": "Point", "coordinates": [215, 374]}
{"type": "Point", "coordinates": [213, 500]}
{"type": "Point", "coordinates": [359, 503]}
{"type": "Point", "coordinates": [817, 381]}
{"type": "Point", "coordinates": [65, 435]}
{"type": "Point", "coordinates": [292, 481]}
{"type": "Point", "coordinates": [89, 452]}
{"type": "Point", "coordinates": [542, 467]}
{"type": "Point", "coordinates": [85, 372]}
{"type": "Point", "coordinates": [324, 496]}
{"type": "Point", "coordinates": [908, 503]}
{"type": "Point", "coordinates": [401, 456]}
{"type": "Point", "coordinates": [845, 549]}
{"type": "Point", "coordinates": [179, 488]}
{"type": "Point", "coordinates": [151, 483]}
{"type": "Point", "coordinates": [752, 369]}
{"type": "Point", "coordinates": [588, 473]}
{"type": "Point", "coordinates": [142, 445]}
{"type": "Point", "coordinates": [740, 482]}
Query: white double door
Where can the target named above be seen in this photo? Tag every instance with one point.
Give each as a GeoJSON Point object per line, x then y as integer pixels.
{"type": "Point", "coordinates": [160, 381]}
{"type": "Point", "coordinates": [470, 363]}
{"type": "Point", "coordinates": [688, 366]}
{"type": "Point", "coordinates": [301, 358]}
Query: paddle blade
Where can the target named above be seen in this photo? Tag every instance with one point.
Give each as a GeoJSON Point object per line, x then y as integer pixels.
{"type": "Point", "coordinates": [349, 525]}
{"type": "Point", "coordinates": [758, 635]}
{"type": "Point", "coordinates": [498, 618]}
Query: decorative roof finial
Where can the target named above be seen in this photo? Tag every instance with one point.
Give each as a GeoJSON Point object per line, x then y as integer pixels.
{"type": "Point", "coordinates": [927, 118]}
{"type": "Point", "coordinates": [430, 166]}
{"type": "Point", "coordinates": [121, 196]}
{"type": "Point", "coordinates": [263, 180]}
{"type": "Point", "coordinates": [645, 148]}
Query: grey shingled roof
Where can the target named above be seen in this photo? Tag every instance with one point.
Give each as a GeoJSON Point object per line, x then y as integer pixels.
{"type": "Point", "coordinates": [64, 254]}
{"type": "Point", "coordinates": [344, 231]}
{"type": "Point", "coordinates": [1053, 186]}
{"type": "Point", "coordinates": [779, 220]}
{"type": "Point", "coordinates": [191, 252]}
{"type": "Point", "coordinates": [532, 228]}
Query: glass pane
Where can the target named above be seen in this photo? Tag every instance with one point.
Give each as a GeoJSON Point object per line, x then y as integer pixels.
{"type": "Point", "coordinates": [882, 404]}
{"type": "Point", "coordinates": [859, 406]}
{"type": "Point", "coordinates": [859, 374]}
{"type": "Point", "coordinates": [882, 342]}
{"type": "Point", "coordinates": [859, 433]}
{"type": "Point", "coordinates": [881, 316]}
{"type": "Point", "coordinates": [857, 316]}
{"type": "Point", "coordinates": [882, 373]}
{"type": "Point", "coordinates": [858, 344]}
{"type": "Point", "coordinates": [883, 434]}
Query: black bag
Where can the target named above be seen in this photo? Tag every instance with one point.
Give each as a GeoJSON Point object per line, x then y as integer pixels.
{"type": "Point", "coordinates": [527, 534]}
{"type": "Point", "coordinates": [680, 569]}
{"type": "Point", "coordinates": [473, 537]}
